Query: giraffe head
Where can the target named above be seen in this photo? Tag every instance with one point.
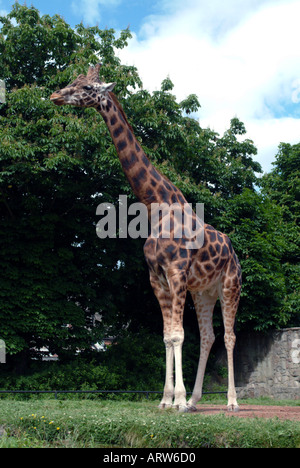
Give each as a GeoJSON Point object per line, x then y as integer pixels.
{"type": "Point", "coordinates": [85, 91]}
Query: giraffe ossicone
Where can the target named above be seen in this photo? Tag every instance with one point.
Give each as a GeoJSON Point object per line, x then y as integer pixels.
{"type": "Point", "coordinates": [209, 272]}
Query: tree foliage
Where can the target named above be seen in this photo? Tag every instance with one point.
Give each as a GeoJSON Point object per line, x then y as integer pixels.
{"type": "Point", "coordinates": [58, 164]}
{"type": "Point", "coordinates": [282, 187]}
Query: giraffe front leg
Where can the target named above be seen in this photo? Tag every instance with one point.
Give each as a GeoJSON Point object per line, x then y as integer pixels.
{"type": "Point", "coordinates": [164, 298]}
{"type": "Point", "coordinates": [167, 398]}
{"type": "Point", "coordinates": [174, 350]}
{"type": "Point", "coordinates": [171, 298]}
{"type": "Point", "coordinates": [180, 392]}
{"type": "Point", "coordinates": [178, 289]}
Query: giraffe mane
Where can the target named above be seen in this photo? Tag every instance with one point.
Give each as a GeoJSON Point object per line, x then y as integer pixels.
{"type": "Point", "coordinates": [118, 105]}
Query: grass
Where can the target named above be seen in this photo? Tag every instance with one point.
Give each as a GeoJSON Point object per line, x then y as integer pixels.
{"type": "Point", "coordinates": [42, 423]}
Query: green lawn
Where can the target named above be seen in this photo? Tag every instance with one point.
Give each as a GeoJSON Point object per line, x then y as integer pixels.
{"type": "Point", "coordinates": [94, 423]}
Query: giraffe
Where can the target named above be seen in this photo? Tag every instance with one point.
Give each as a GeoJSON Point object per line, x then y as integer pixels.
{"type": "Point", "coordinates": [209, 272]}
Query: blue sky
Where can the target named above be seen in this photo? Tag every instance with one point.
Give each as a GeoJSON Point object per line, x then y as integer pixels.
{"type": "Point", "coordinates": [115, 14]}
{"type": "Point", "coordinates": [241, 57]}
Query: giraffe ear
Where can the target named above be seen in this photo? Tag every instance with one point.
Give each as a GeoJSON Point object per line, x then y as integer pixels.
{"type": "Point", "coordinates": [105, 87]}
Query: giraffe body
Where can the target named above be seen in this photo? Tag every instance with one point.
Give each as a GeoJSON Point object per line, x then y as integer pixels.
{"type": "Point", "coordinates": [208, 272]}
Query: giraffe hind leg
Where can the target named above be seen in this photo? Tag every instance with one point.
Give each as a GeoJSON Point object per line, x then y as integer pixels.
{"type": "Point", "coordinates": [229, 304]}
{"type": "Point", "coordinates": [204, 306]}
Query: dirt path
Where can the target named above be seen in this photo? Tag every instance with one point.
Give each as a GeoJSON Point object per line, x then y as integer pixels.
{"type": "Point", "coordinates": [253, 411]}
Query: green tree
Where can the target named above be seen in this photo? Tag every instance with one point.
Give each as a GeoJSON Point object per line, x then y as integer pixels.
{"type": "Point", "coordinates": [264, 228]}
{"type": "Point", "coordinates": [282, 186]}
{"type": "Point", "coordinates": [58, 164]}
{"type": "Point", "coordinates": [55, 271]}
{"type": "Point", "coordinates": [251, 221]}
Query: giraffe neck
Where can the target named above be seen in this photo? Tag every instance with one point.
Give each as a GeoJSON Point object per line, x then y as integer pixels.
{"type": "Point", "coordinates": [147, 183]}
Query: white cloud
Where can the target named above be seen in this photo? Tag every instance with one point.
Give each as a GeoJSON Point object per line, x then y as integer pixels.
{"type": "Point", "coordinates": [241, 58]}
{"type": "Point", "coordinates": [268, 133]}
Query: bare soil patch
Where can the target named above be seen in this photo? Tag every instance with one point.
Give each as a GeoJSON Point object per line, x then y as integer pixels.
{"type": "Point", "coordinates": [253, 411]}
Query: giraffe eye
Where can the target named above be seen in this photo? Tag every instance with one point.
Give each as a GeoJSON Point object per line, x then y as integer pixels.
{"type": "Point", "coordinates": [87, 87]}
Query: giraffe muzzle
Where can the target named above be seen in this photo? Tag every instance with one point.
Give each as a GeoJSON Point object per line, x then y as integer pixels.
{"type": "Point", "coordinates": [57, 99]}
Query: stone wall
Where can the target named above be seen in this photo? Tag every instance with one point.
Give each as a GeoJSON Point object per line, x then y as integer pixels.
{"type": "Point", "coordinates": [268, 365]}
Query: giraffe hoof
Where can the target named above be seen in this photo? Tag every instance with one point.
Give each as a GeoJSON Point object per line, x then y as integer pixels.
{"type": "Point", "coordinates": [233, 408]}
{"type": "Point", "coordinates": [182, 408]}
{"type": "Point", "coordinates": [191, 408]}
{"type": "Point", "coordinates": [163, 406]}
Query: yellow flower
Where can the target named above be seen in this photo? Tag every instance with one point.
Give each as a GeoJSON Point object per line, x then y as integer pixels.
{"type": "Point", "coordinates": [21, 418]}
{"type": "Point", "coordinates": [42, 417]}
{"type": "Point", "coordinates": [51, 422]}
{"type": "Point", "coordinates": [151, 435]}
{"type": "Point", "coordinates": [57, 428]}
